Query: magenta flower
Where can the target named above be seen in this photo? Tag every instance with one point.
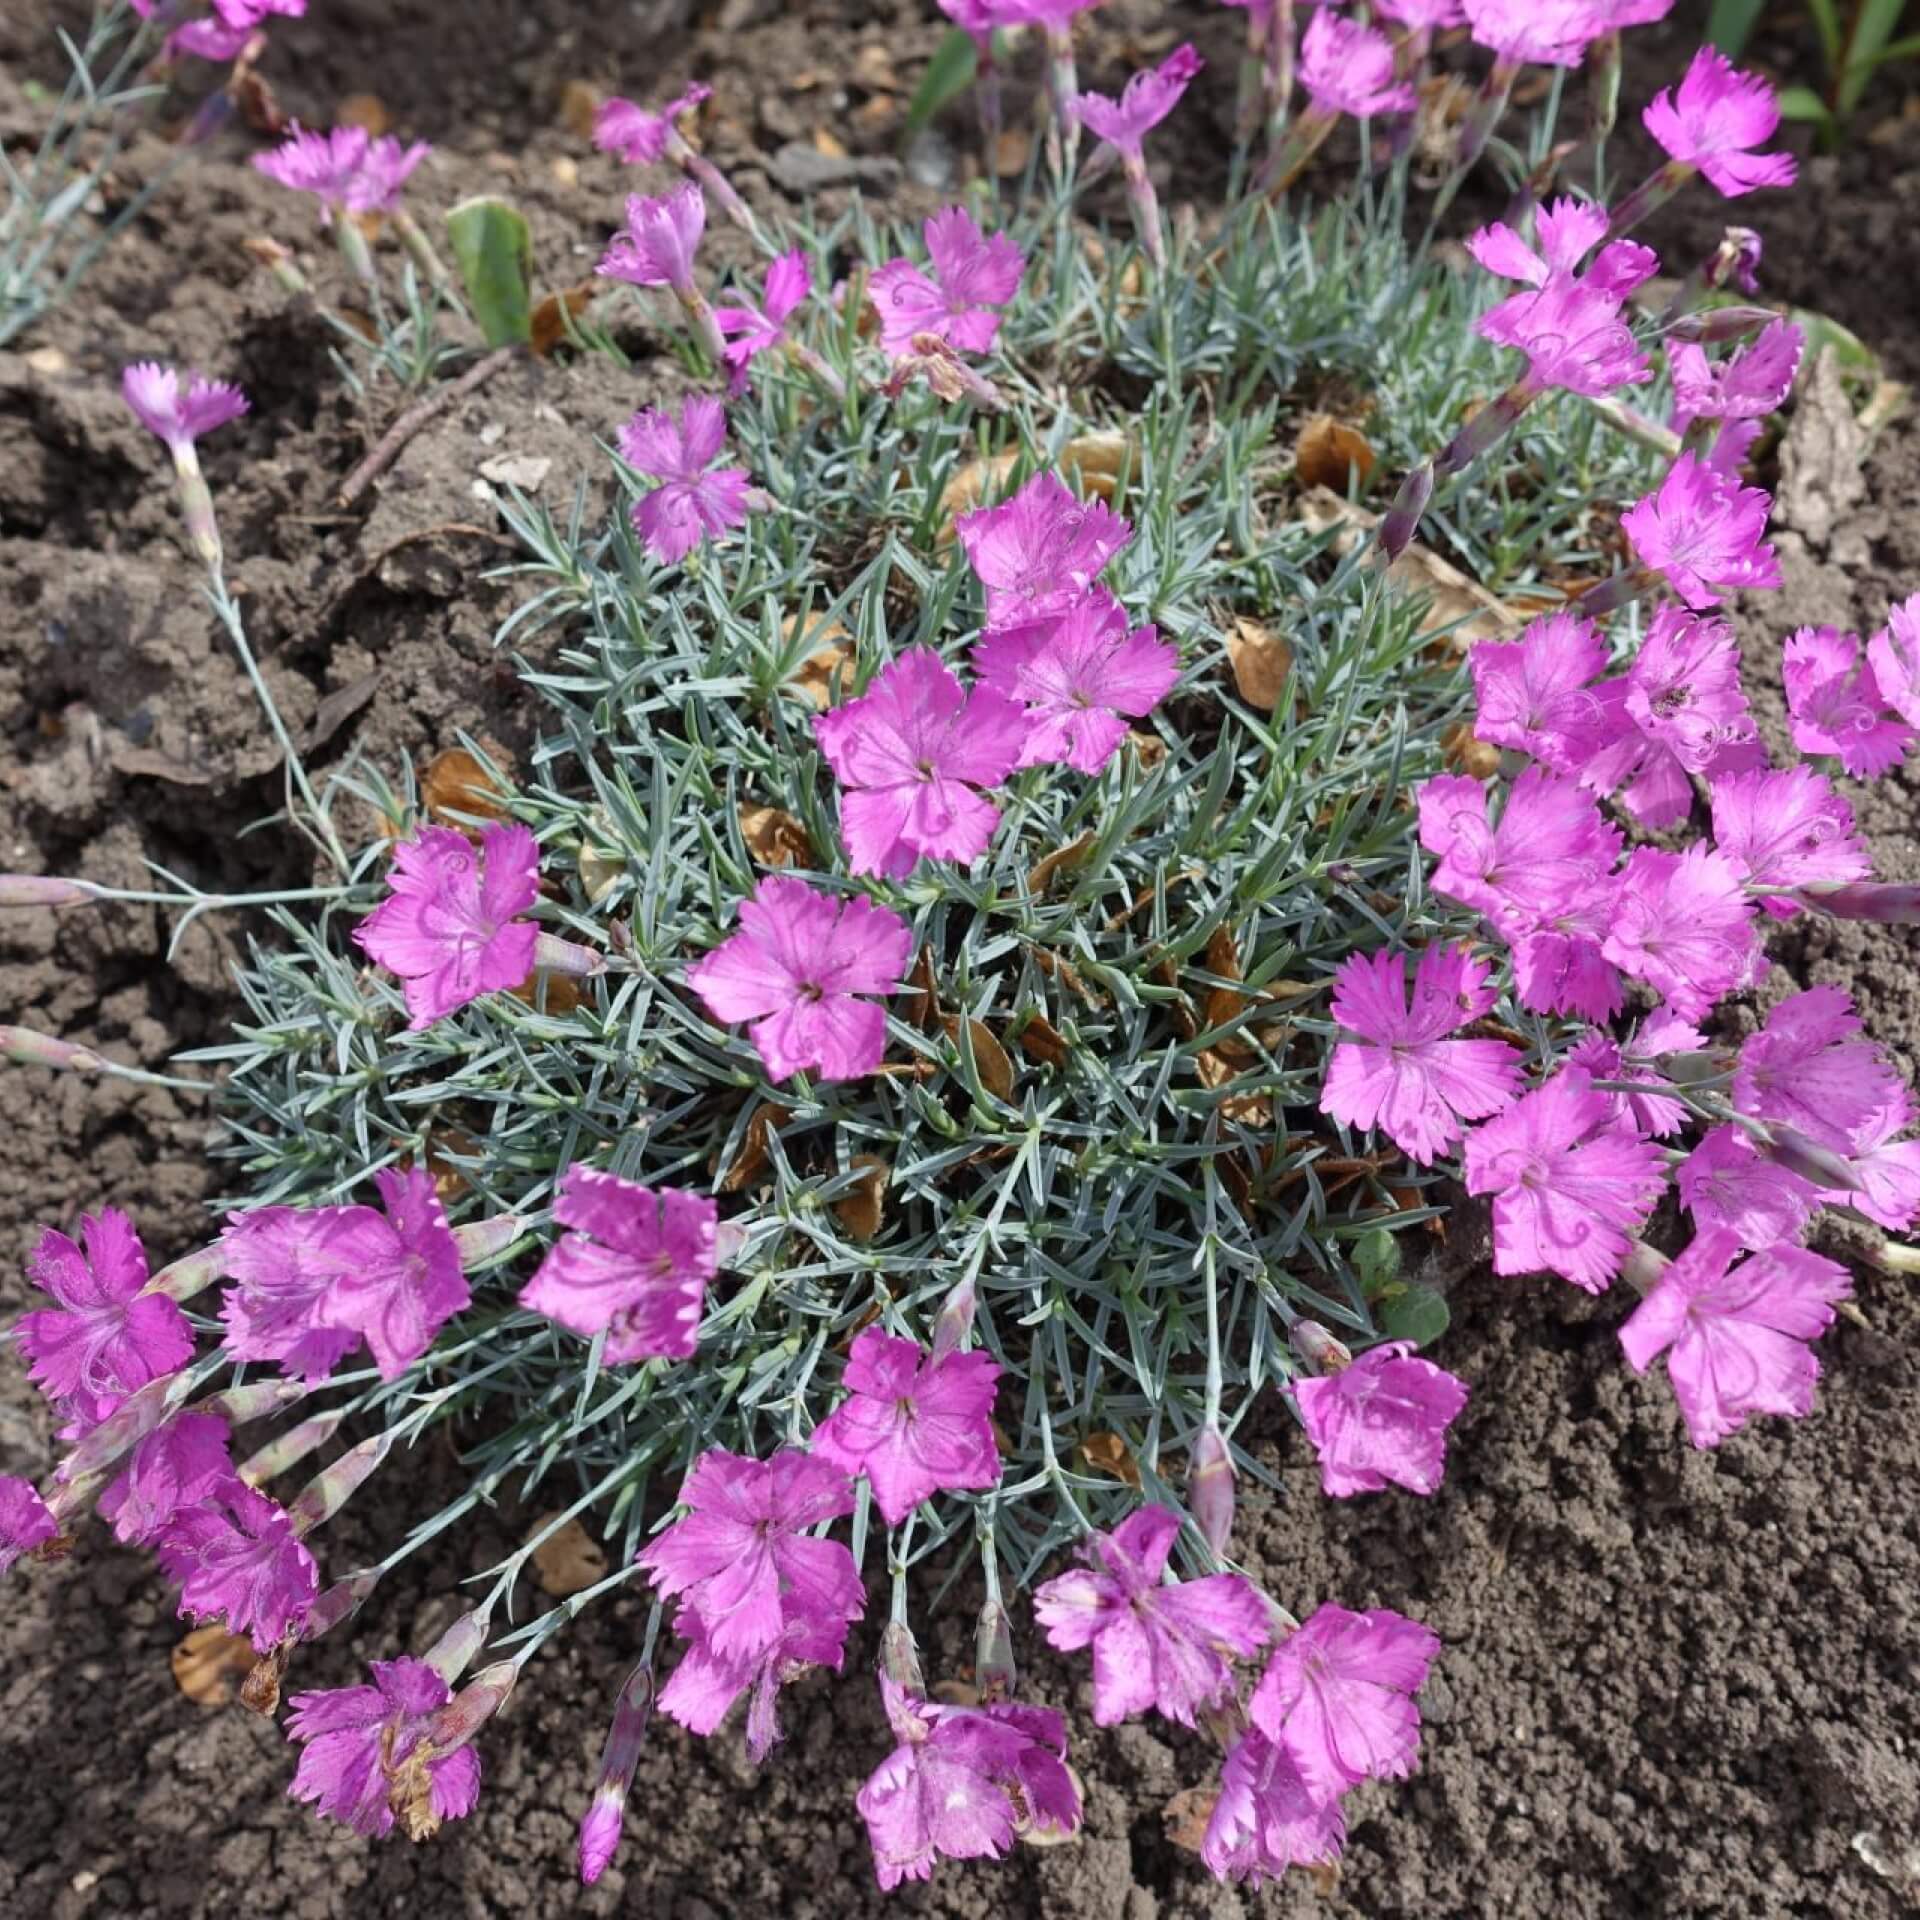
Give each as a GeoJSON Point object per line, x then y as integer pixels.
{"type": "Point", "coordinates": [795, 969]}
{"type": "Point", "coordinates": [1894, 655]}
{"type": "Point", "coordinates": [635, 1267]}
{"type": "Point", "coordinates": [1038, 553]}
{"type": "Point", "coordinates": [1683, 923]}
{"type": "Point", "coordinates": [355, 1739]}
{"type": "Point", "coordinates": [1348, 68]}
{"type": "Point", "coordinates": [909, 754]}
{"type": "Point", "coordinates": [1396, 1069]}
{"type": "Point", "coordinates": [1637, 1060]}
{"type": "Point", "coordinates": [640, 137]}
{"type": "Point", "coordinates": [180, 1463]}
{"type": "Point", "coordinates": [237, 1559]}
{"type": "Point", "coordinates": [662, 236]}
{"type": "Point", "coordinates": [701, 1690]}
{"type": "Point", "coordinates": [1154, 1646]}
{"type": "Point", "coordinates": [179, 415]}
{"type": "Point", "coordinates": [962, 1783]}
{"type": "Point", "coordinates": [913, 1424]}
{"type": "Point", "coordinates": [1753, 383]}
{"type": "Point", "coordinates": [973, 275]}
{"type": "Point", "coordinates": [1381, 1419]}
{"type": "Point", "coordinates": [1144, 102]}
{"type": "Point", "coordinates": [347, 170]}
{"type": "Point", "coordinates": [26, 1521]}
{"type": "Point", "coordinates": [103, 1338]}
{"type": "Point", "coordinates": [1570, 1182]}
{"type": "Point", "coordinates": [1835, 703]}
{"type": "Point", "coordinates": [1810, 1068]}
{"type": "Point", "coordinates": [1888, 1169]}
{"type": "Point", "coordinates": [695, 500]}
{"type": "Point", "coordinates": [1572, 335]}
{"type": "Point", "coordinates": [1568, 231]}
{"type": "Point", "coordinates": [285, 1263]}
{"type": "Point", "coordinates": [1338, 1697]}
{"type": "Point", "coordinates": [741, 1557]}
{"type": "Point", "coordinates": [1266, 1818]}
{"type": "Point", "coordinates": [1531, 694]}
{"type": "Point", "coordinates": [1553, 33]}
{"type": "Point", "coordinates": [752, 331]}
{"type": "Point", "coordinates": [1704, 533]}
{"type": "Point", "coordinates": [1714, 119]}
{"type": "Point", "coordinates": [1561, 965]}
{"type": "Point", "coordinates": [1786, 830]}
{"type": "Point", "coordinates": [446, 926]}
{"type": "Point", "coordinates": [407, 1281]}
{"type": "Point", "coordinates": [1729, 1187]}
{"type": "Point", "coordinates": [1082, 675]}
{"type": "Point", "coordinates": [1735, 1331]}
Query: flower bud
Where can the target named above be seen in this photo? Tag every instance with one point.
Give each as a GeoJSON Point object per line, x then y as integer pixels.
{"type": "Point", "coordinates": [1210, 1484]}
{"type": "Point", "coordinates": [42, 890]}
{"type": "Point", "coordinates": [1403, 518]}
{"type": "Point", "coordinates": [450, 1654]}
{"type": "Point", "coordinates": [899, 1658]}
{"type": "Point", "coordinates": [26, 1047]}
{"type": "Point", "coordinates": [1712, 326]}
{"type": "Point", "coordinates": [128, 1424]}
{"type": "Point", "coordinates": [1643, 1266]}
{"type": "Point", "coordinates": [471, 1708]}
{"type": "Point", "coordinates": [254, 1401]}
{"type": "Point", "coordinates": [600, 1827]}
{"type": "Point", "coordinates": [1318, 1348]}
{"type": "Point", "coordinates": [339, 1603]}
{"type": "Point", "coordinates": [192, 1273]}
{"type": "Point", "coordinates": [955, 1320]}
{"type": "Point", "coordinates": [555, 955]}
{"type": "Point", "coordinates": [1890, 905]}
{"type": "Point", "coordinates": [482, 1240]}
{"type": "Point", "coordinates": [290, 1448]}
{"type": "Point", "coordinates": [1788, 1147]}
{"type": "Point", "coordinates": [994, 1672]}
{"type": "Point", "coordinates": [332, 1487]}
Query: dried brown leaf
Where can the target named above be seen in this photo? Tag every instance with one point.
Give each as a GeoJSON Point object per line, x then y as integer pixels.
{"type": "Point", "coordinates": [579, 107]}
{"type": "Point", "coordinates": [569, 1561]}
{"type": "Point", "coordinates": [1060, 860]}
{"type": "Point", "coordinates": [1012, 149]}
{"type": "Point", "coordinates": [210, 1663]}
{"type": "Point", "coordinates": [1466, 753]}
{"type": "Point", "coordinates": [1041, 1041]}
{"type": "Point", "coordinates": [557, 993]}
{"type": "Point", "coordinates": [752, 1161]}
{"type": "Point", "coordinates": [1261, 661]}
{"type": "Point", "coordinates": [552, 312]}
{"type": "Point", "coordinates": [775, 838]}
{"type": "Point", "coordinates": [826, 141]}
{"type": "Point", "coordinates": [1187, 1814]}
{"type": "Point", "coordinates": [1328, 450]}
{"type": "Point", "coordinates": [996, 1070]}
{"type": "Point", "coordinates": [364, 110]}
{"type": "Point", "coordinates": [1094, 462]}
{"type": "Point", "coordinates": [923, 1002]}
{"type": "Point", "coordinates": [1108, 1453]}
{"type": "Point", "coordinates": [448, 1181]}
{"type": "Point", "coordinates": [456, 783]}
{"type": "Point", "coordinates": [823, 673]}
{"type": "Point", "coordinates": [862, 1208]}
{"type": "Point", "coordinates": [1223, 958]}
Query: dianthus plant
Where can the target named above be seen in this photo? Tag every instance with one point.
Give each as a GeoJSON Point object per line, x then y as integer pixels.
{"type": "Point", "coordinates": [935, 1038]}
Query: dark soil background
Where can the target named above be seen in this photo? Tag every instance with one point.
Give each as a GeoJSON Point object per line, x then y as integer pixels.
{"type": "Point", "coordinates": [1675, 1684]}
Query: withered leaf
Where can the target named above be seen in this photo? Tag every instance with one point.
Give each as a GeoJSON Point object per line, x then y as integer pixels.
{"type": "Point", "coordinates": [1223, 958]}
{"type": "Point", "coordinates": [752, 1161]}
{"type": "Point", "coordinates": [1094, 462]}
{"type": "Point", "coordinates": [862, 1208]}
{"type": "Point", "coordinates": [579, 107]}
{"type": "Point", "coordinates": [1041, 1041]}
{"type": "Point", "coordinates": [824, 672]}
{"type": "Point", "coordinates": [448, 1180]}
{"type": "Point", "coordinates": [1466, 753]}
{"type": "Point", "coordinates": [568, 1562]}
{"type": "Point", "coordinates": [366, 110]}
{"type": "Point", "coordinates": [456, 783]}
{"type": "Point", "coordinates": [150, 763]}
{"type": "Point", "coordinates": [1060, 860]}
{"type": "Point", "coordinates": [1186, 1815]}
{"type": "Point", "coordinates": [210, 1663]}
{"type": "Point", "coordinates": [923, 1001]}
{"type": "Point", "coordinates": [552, 312]}
{"type": "Point", "coordinates": [1261, 661]}
{"type": "Point", "coordinates": [1108, 1453]}
{"type": "Point", "coordinates": [338, 708]}
{"type": "Point", "coordinates": [996, 1070]}
{"type": "Point", "coordinates": [556, 993]}
{"type": "Point", "coordinates": [775, 838]}
{"type": "Point", "coordinates": [1327, 449]}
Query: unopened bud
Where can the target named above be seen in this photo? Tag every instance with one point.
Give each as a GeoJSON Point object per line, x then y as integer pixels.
{"type": "Point", "coordinates": [26, 1047]}
{"type": "Point", "coordinates": [1788, 1147]}
{"type": "Point", "coordinates": [482, 1240]}
{"type": "Point", "coordinates": [290, 1448]}
{"type": "Point", "coordinates": [128, 1424]}
{"type": "Point", "coordinates": [1643, 1266]}
{"type": "Point", "coordinates": [192, 1273]}
{"type": "Point", "coordinates": [339, 1603]}
{"type": "Point", "coordinates": [1892, 1256]}
{"type": "Point", "coordinates": [600, 1826]}
{"type": "Point", "coordinates": [994, 1672]}
{"type": "Point", "coordinates": [450, 1655]}
{"type": "Point", "coordinates": [471, 1708]}
{"type": "Point", "coordinates": [1689, 1069]}
{"type": "Point", "coordinates": [1210, 1484]}
{"type": "Point", "coordinates": [1403, 518]}
{"type": "Point", "coordinates": [1890, 905]}
{"type": "Point", "coordinates": [955, 1320]}
{"type": "Point", "coordinates": [332, 1487]}
{"type": "Point", "coordinates": [42, 890]}
{"type": "Point", "coordinates": [1712, 326]}
{"type": "Point", "coordinates": [1318, 1348]}
{"type": "Point", "coordinates": [900, 1658]}
{"type": "Point", "coordinates": [554, 955]}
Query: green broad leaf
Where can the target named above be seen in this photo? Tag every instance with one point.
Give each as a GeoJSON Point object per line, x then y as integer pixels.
{"type": "Point", "coordinates": [1376, 1259]}
{"type": "Point", "coordinates": [493, 248]}
{"type": "Point", "coordinates": [1873, 25]}
{"type": "Point", "coordinates": [1417, 1314]}
{"type": "Point", "coordinates": [949, 74]}
{"type": "Point", "coordinates": [1826, 17]}
{"type": "Point", "coordinates": [1730, 25]}
{"type": "Point", "coordinates": [1853, 353]}
{"type": "Point", "coordinates": [1802, 103]}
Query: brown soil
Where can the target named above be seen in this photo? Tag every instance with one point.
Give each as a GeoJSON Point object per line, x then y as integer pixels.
{"type": "Point", "coordinates": [1676, 1684]}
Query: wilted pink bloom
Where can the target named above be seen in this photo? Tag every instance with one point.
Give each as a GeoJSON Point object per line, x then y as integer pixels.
{"type": "Point", "coordinates": [1154, 1646]}
{"type": "Point", "coordinates": [635, 1267]}
{"type": "Point", "coordinates": [973, 274]}
{"type": "Point", "coordinates": [446, 926]}
{"type": "Point", "coordinates": [1786, 830]}
{"type": "Point", "coordinates": [1348, 68]}
{"type": "Point", "coordinates": [1703, 533]}
{"type": "Point", "coordinates": [742, 1558]}
{"type": "Point", "coordinates": [1568, 231]}
{"type": "Point", "coordinates": [237, 1559]}
{"type": "Point", "coordinates": [695, 500]}
{"type": "Point", "coordinates": [1572, 335]}
{"type": "Point", "coordinates": [1145, 101]}
{"type": "Point", "coordinates": [1683, 923]}
{"type": "Point", "coordinates": [703, 1687]}
{"type": "Point", "coordinates": [1894, 654]}
{"type": "Point", "coordinates": [662, 236]}
{"type": "Point", "coordinates": [1535, 32]}
{"type": "Point", "coordinates": [640, 137]}
{"type": "Point", "coordinates": [1735, 1331]}
{"type": "Point", "coordinates": [348, 170]}
{"type": "Point", "coordinates": [1038, 553]}
{"type": "Point", "coordinates": [26, 1521]}
{"type": "Point", "coordinates": [102, 1338]}
{"type": "Point", "coordinates": [1887, 1169]}
{"type": "Point", "coordinates": [1081, 675]}
{"type": "Point", "coordinates": [355, 1739]}
{"type": "Point", "coordinates": [1637, 1059]}
{"type": "Point", "coordinates": [1713, 119]}
{"type": "Point", "coordinates": [1811, 1068]}
{"type": "Point", "coordinates": [1396, 1069]}
{"type": "Point", "coordinates": [794, 969]}
{"type": "Point", "coordinates": [1338, 1696]}
{"type": "Point", "coordinates": [962, 1783]}
{"type": "Point", "coordinates": [915, 1426]}
{"type": "Point", "coordinates": [1380, 1420]}
{"type": "Point", "coordinates": [1570, 1182]}
{"type": "Point", "coordinates": [1751, 384]}
{"type": "Point", "coordinates": [179, 415]}
{"type": "Point", "coordinates": [1531, 694]}
{"type": "Point", "coordinates": [1835, 703]}
{"type": "Point", "coordinates": [1727, 1185]}
{"type": "Point", "coordinates": [909, 754]}
{"type": "Point", "coordinates": [176, 1465]}
{"type": "Point", "coordinates": [1266, 1818]}
{"type": "Point", "coordinates": [752, 331]}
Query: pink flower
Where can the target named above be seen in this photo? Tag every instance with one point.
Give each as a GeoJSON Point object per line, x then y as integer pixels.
{"type": "Point", "coordinates": [355, 1739]}
{"type": "Point", "coordinates": [407, 1282]}
{"type": "Point", "coordinates": [1607, 1059]}
{"type": "Point", "coordinates": [1397, 1070]}
{"type": "Point", "coordinates": [1381, 1419]}
{"type": "Point", "coordinates": [1551, 33]}
{"type": "Point", "coordinates": [1810, 1068]}
{"type": "Point", "coordinates": [1082, 675]}
{"type": "Point", "coordinates": [1266, 1819]}
{"type": "Point", "coordinates": [1728, 1187]}
{"type": "Point", "coordinates": [1786, 830]}
{"type": "Point", "coordinates": [446, 926]}
{"type": "Point", "coordinates": [1146, 100]}
{"type": "Point", "coordinates": [742, 1557]}
{"type": "Point", "coordinates": [1713, 119]}
{"type": "Point", "coordinates": [972, 276]}
{"type": "Point", "coordinates": [1420, 15]}
{"type": "Point", "coordinates": [1728, 455]}
{"type": "Point", "coordinates": [914, 1425]}
{"type": "Point", "coordinates": [1888, 1170]}
{"type": "Point", "coordinates": [640, 137]}
{"type": "Point", "coordinates": [1154, 1646]}
{"type": "Point", "coordinates": [1570, 1182]}
{"type": "Point", "coordinates": [103, 1338]}
{"type": "Point", "coordinates": [348, 170]}
{"type": "Point", "coordinates": [962, 1783]}
{"type": "Point", "coordinates": [1572, 335]}
{"type": "Point", "coordinates": [26, 1521]}
{"type": "Point", "coordinates": [1704, 533]}
{"type": "Point", "coordinates": [909, 754]}
{"type": "Point", "coordinates": [1748, 386]}
{"type": "Point", "coordinates": [177, 1465]}
{"type": "Point", "coordinates": [1734, 1331]}
{"type": "Point", "coordinates": [1338, 1697]}
{"type": "Point", "coordinates": [662, 235]}
{"type": "Point", "coordinates": [1039, 552]}
{"type": "Point", "coordinates": [237, 1558]}
{"type": "Point", "coordinates": [1894, 655]}
{"type": "Point", "coordinates": [703, 1687]}
{"type": "Point", "coordinates": [1348, 68]}
{"type": "Point", "coordinates": [752, 331]}
{"type": "Point", "coordinates": [635, 1267]}
{"type": "Point", "coordinates": [1682, 922]}
{"type": "Point", "coordinates": [179, 417]}
{"type": "Point", "coordinates": [795, 968]}
{"type": "Point", "coordinates": [1835, 704]}
{"type": "Point", "coordinates": [1561, 966]}
{"type": "Point", "coordinates": [1532, 693]}
{"type": "Point", "coordinates": [695, 500]}
{"type": "Point", "coordinates": [1569, 230]}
